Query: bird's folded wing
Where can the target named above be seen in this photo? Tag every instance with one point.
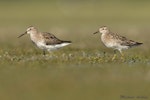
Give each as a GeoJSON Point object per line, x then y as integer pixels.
{"type": "Point", "coordinates": [50, 39]}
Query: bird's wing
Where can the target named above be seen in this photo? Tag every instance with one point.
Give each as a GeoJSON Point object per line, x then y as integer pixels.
{"type": "Point", "coordinates": [128, 43]}
{"type": "Point", "coordinates": [50, 39]}
{"type": "Point", "coordinates": [124, 41]}
{"type": "Point", "coordinates": [118, 37]}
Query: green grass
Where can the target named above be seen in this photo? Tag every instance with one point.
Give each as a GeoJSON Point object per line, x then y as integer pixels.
{"type": "Point", "coordinates": [83, 70]}
{"type": "Point", "coordinates": [72, 74]}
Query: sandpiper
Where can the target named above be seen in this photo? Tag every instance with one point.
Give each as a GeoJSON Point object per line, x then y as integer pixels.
{"type": "Point", "coordinates": [45, 40]}
{"type": "Point", "coordinates": [115, 41]}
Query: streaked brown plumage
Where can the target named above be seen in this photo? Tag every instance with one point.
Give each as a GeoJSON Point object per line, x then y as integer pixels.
{"type": "Point", "coordinates": [50, 39]}
{"type": "Point", "coordinates": [45, 40]}
{"type": "Point", "coordinates": [115, 41]}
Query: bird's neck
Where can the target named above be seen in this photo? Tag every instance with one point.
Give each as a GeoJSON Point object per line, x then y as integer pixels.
{"type": "Point", "coordinates": [106, 32]}
{"type": "Point", "coordinates": [34, 36]}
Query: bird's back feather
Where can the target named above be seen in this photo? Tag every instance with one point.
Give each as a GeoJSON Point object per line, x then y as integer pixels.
{"type": "Point", "coordinates": [50, 39]}
{"type": "Point", "coordinates": [124, 41]}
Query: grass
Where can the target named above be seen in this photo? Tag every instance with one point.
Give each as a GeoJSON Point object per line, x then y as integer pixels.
{"type": "Point", "coordinates": [82, 70]}
{"type": "Point", "coordinates": [72, 74]}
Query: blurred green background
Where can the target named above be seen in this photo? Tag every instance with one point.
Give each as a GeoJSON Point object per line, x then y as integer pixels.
{"type": "Point", "coordinates": [76, 72]}
{"type": "Point", "coordinates": [69, 19]}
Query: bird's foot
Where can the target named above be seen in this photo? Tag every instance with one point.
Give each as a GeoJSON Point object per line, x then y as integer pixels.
{"type": "Point", "coordinates": [122, 58]}
{"type": "Point", "coordinates": [114, 57]}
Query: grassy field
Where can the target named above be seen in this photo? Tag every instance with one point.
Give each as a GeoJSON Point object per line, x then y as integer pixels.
{"type": "Point", "coordinates": [82, 70]}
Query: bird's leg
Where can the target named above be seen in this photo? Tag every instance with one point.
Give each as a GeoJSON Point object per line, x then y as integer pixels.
{"type": "Point", "coordinates": [51, 54]}
{"type": "Point", "coordinates": [44, 52]}
{"type": "Point", "coordinates": [115, 55]}
{"type": "Point", "coordinates": [122, 55]}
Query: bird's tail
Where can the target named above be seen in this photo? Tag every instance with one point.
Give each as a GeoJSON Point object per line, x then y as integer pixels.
{"type": "Point", "coordinates": [67, 42]}
{"type": "Point", "coordinates": [62, 44]}
{"type": "Point", "coordinates": [132, 43]}
{"type": "Point", "coordinates": [135, 44]}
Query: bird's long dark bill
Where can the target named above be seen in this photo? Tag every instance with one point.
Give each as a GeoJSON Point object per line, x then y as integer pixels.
{"type": "Point", "coordinates": [95, 32]}
{"type": "Point", "coordinates": [22, 34]}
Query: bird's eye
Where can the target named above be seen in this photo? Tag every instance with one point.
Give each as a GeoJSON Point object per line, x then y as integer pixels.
{"type": "Point", "coordinates": [51, 37]}
{"type": "Point", "coordinates": [29, 29]}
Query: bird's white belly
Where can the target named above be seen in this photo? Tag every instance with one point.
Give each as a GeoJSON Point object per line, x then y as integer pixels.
{"type": "Point", "coordinates": [51, 47]}
{"type": "Point", "coordinates": [109, 45]}
{"type": "Point", "coordinates": [114, 45]}
{"type": "Point", "coordinates": [41, 45]}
